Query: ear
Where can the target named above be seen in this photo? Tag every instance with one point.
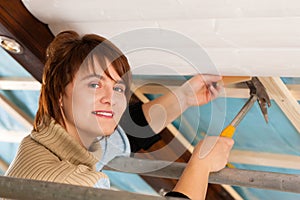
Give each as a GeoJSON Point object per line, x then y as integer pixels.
{"type": "Point", "coordinates": [60, 101]}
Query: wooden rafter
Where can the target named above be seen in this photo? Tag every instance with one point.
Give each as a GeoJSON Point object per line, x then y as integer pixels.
{"type": "Point", "coordinates": [12, 136]}
{"type": "Point", "coordinates": [265, 159]}
{"type": "Point", "coordinates": [230, 91]}
{"type": "Point", "coordinates": [3, 165]}
{"type": "Point", "coordinates": [17, 83]}
{"type": "Point", "coordinates": [283, 98]}
{"type": "Point", "coordinates": [16, 112]}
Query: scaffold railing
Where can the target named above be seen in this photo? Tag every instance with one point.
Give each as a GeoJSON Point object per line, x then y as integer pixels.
{"type": "Point", "coordinates": [16, 188]}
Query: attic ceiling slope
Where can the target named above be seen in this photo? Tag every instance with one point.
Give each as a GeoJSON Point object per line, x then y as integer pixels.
{"type": "Point", "coordinates": [251, 38]}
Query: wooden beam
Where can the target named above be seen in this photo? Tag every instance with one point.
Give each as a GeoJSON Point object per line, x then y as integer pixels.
{"type": "Point", "coordinates": [239, 91]}
{"type": "Point", "coordinates": [169, 81]}
{"type": "Point", "coordinates": [12, 136]}
{"type": "Point", "coordinates": [295, 90]}
{"type": "Point", "coordinates": [229, 80]}
{"type": "Point", "coordinates": [16, 112]}
{"type": "Point", "coordinates": [265, 159]}
{"type": "Point", "coordinates": [3, 165]}
{"type": "Point", "coordinates": [16, 22]}
{"type": "Point", "coordinates": [231, 91]}
{"type": "Point", "coordinates": [16, 83]}
{"type": "Point", "coordinates": [283, 98]}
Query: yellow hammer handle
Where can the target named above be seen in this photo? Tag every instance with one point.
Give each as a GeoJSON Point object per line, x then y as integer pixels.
{"type": "Point", "coordinates": [228, 131]}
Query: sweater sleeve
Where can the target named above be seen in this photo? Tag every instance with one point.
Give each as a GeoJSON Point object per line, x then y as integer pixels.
{"type": "Point", "coordinates": [137, 129]}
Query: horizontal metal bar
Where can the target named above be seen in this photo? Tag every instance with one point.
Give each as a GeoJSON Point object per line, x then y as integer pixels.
{"type": "Point", "coordinates": [26, 189]}
{"type": "Point", "coordinates": [237, 177]}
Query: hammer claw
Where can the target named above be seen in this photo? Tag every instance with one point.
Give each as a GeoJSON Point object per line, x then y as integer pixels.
{"type": "Point", "coordinates": [263, 107]}
{"type": "Point", "coordinates": [257, 88]}
{"type": "Point", "coordinates": [257, 93]}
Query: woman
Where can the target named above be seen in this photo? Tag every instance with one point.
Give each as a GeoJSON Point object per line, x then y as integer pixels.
{"type": "Point", "coordinates": [84, 93]}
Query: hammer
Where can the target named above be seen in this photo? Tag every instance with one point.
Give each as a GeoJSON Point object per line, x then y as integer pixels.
{"type": "Point", "coordinates": [257, 93]}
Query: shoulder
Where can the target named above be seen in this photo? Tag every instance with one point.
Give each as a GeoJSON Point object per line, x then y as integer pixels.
{"type": "Point", "coordinates": [85, 176]}
{"type": "Point", "coordinates": [35, 161]}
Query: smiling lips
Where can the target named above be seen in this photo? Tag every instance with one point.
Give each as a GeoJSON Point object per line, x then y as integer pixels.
{"type": "Point", "coordinates": [103, 113]}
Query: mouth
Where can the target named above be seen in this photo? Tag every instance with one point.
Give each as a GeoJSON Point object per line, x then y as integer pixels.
{"type": "Point", "coordinates": [102, 113]}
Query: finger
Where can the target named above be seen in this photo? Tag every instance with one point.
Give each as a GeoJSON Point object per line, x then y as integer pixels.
{"type": "Point", "coordinates": [211, 78]}
{"type": "Point", "coordinates": [207, 146]}
{"type": "Point", "coordinates": [214, 91]}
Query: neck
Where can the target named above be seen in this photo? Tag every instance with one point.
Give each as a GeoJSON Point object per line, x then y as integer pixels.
{"type": "Point", "coordinates": [84, 142]}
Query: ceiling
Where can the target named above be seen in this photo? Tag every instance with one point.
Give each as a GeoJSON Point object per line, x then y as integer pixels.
{"type": "Point", "coordinates": [255, 37]}
{"type": "Point", "coordinates": [166, 41]}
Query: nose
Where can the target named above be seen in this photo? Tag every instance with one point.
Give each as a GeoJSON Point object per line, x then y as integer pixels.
{"type": "Point", "coordinates": [107, 93]}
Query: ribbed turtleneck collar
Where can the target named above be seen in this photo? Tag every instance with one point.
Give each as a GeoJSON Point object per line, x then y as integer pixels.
{"type": "Point", "coordinates": [56, 139]}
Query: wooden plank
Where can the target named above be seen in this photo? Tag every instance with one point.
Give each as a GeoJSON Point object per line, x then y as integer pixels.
{"type": "Point", "coordinates": [295, 90]}
{"type": "Point", "coordinates": [163, 85]}
{"type": "Point", "coordinates": [265, 159]}
{"type": "Point", "coordinates": [231, 91]}
{"type": "Point", "coordinates": [170, 81]}
{"type": "Point", "coordinates": [12, 136]}
{"type": "Point", "coordinates": [228, 80]}
{"type": "Point", "coordinates": [17, 83]}
{"type": "Point", "coordinates": [3, 165]}
{"type": "Point", "coordinates": [283, 98]}
{"type": "Point", "coordinates": [16, 112]}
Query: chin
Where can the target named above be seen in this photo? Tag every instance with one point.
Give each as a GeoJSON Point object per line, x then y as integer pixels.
{"type": "Point", "coordinates": [107, 132]}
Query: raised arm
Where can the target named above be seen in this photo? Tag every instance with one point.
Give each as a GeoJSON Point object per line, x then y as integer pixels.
{"type": "Point", "coordinates": [194, 180]}
{"type": "Point", "coordinates": [197, 91]}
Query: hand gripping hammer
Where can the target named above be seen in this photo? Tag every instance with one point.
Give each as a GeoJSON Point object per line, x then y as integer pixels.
{"type": "Point", "coordinates": [257, 93]}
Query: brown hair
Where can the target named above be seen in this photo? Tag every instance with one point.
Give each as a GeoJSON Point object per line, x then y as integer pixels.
{"type": "Point", "coordinates": [65, 54]}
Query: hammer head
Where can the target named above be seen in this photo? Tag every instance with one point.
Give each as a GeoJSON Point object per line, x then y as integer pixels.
{"type": "Point", "coordinates": [257, 88]}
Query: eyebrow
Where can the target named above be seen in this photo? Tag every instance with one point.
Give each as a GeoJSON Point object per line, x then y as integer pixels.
{"type": "Point", "coordinates": [101, 77]}
{"type": "Point", "coordinates": [92, 76]}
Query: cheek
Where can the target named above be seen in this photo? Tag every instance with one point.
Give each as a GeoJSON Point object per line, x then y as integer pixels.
{"type": "Point", "coordinates": [81, 103]}
{"type": "Point", "coordinates": [119, 100]}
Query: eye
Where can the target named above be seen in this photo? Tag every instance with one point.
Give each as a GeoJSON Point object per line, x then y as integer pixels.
{"type": "Point", "coordinates": [94, 85]}
{"type": "Point", "coordinates": [119, 88]}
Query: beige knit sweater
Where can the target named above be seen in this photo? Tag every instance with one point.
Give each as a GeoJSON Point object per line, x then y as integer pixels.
{"type": "Point", "coordinates": [53, 155]}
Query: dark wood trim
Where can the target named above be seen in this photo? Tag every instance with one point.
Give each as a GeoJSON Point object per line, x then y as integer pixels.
{"type": "Point", "coordinates": [16, 22]}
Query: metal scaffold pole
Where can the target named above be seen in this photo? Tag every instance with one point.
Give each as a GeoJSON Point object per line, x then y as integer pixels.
{"type": "Point", "coordinates": [237, 177]}
{"type": "Point", "coordinates": [16, 188]}
{"type": "Point", "coordinates": [26, 189]}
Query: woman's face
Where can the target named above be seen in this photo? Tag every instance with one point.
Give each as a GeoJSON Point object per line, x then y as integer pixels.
{"type": "Point", "coordinates": [94, 103]}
